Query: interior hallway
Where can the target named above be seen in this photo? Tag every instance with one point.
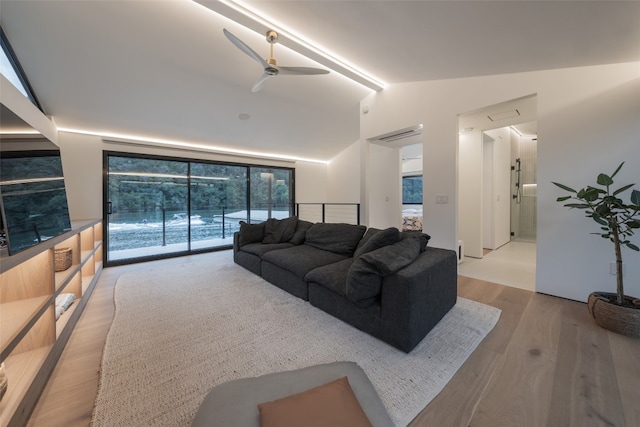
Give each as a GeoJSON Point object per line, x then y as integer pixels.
{"type": "Point", "coordinates": [513, 264]}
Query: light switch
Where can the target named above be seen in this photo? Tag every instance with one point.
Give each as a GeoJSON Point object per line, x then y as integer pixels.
{"type": "Point", "coordinates": [442, 199]}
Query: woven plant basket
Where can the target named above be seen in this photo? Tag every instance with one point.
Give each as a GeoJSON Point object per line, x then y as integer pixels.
{"type": "Point", "coordinates": [62, 259]}
{"type": "Point", "coordinates": [3, 380]}
{"type": "Point", "coordinates": [622, 320]}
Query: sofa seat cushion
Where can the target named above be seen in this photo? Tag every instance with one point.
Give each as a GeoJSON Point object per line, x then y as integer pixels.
{"type": "Point", "coordinates": [332, 276]}
{"type": "Point", "coordinates": [338, 238]}
{"type": "Point", "coordinates": [262, 248]}
{"type": "Point", "coordinates": [301, 259]}
{"type": "Point", "coordinates": [364, 279]}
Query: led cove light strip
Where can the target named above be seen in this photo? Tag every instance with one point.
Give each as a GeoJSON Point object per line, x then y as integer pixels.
{"type": "Point", "coordinates": [254, 15]}
{"type": "Point", "coordinates": [159, 143]}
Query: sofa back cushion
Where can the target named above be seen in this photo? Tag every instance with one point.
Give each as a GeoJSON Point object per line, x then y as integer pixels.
{"type": "Point", "coordinates": [251, 233]}
{"type": "Point", "coordinates": [423, 238]}
{"type": "Point", "coordinates": [279, 230]}
{"type": "Point", "coordinates": [377, 240]}
{"type": "Point", "coordinates": [337, 238]}
{"type": "Point", "coordinates": [301, 232]}
{"type": "Point", "coordinates": [369, 234]}
{"type": "Point", "coordinates": [364, 279]}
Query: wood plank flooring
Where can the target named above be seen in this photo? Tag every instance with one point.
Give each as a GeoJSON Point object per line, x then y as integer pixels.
{"type": "Point", "coordinates": [545, 364]}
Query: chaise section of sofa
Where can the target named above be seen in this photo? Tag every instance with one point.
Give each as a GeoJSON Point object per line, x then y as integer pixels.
{"type": "Point", "coordinates": [410, 303]}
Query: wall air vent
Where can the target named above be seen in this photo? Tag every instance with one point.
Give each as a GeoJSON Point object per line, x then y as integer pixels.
{"type": "Point", "coordinates": [503, 115]}
{"type": "Point", "coordinates": [400, 134]}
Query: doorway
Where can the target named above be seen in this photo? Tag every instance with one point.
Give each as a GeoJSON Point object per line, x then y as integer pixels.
{"type": "Point", "coordinates": [496, 194]}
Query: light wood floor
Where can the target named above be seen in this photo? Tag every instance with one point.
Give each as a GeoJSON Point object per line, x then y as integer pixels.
{"type": "Point", "coordinates": [544, 364]}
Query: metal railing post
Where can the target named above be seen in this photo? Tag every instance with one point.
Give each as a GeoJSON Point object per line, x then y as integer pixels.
{"type": "Point", "coordinates": [223, 235]}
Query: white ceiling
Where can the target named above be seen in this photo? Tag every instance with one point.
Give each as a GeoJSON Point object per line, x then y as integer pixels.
{"type": "Point", "coordinates": [163, 69]}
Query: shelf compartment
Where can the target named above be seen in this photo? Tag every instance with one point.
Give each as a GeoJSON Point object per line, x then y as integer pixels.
{"type": "Point", "coordinates": [87, 242]}
{"type": "Point", "coordinates": [62, 278]}
{"type": "Point", "coordinates": [71, 242]}
{"type": "Point", "coordinates": [74, 285]}
{"type": "Point", "coordinates": [37, 272]}
{"type": "Point", "coordinates": [64, 317]}
{"type": "Point", "coordinates": [89, 267]}
{"type": "Point", "coordinates": [14, 317]}
{"type": "Point", "coordinates": [20, 375]}
{"type": "Point", "coordinates": [41, 334]}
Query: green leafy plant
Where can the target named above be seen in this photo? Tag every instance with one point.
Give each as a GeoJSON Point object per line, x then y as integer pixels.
{"type": "Point", "coordinates": [617, 219]}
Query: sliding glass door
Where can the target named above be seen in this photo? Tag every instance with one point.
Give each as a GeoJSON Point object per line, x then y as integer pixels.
{"type": "Point", "coordinates": [218, 194]}
{"type": "Point", "coordinates": [270, 194]}
{"type": "Point", "coordinates": [148, 202]}
{"type": "Point", "coordinates": [158, 206]}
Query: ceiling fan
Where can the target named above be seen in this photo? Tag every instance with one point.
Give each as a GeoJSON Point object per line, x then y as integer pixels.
{"type": "Point", "coordinates": [270, 66]}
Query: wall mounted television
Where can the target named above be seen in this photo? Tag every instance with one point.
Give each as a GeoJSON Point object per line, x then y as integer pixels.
{"type": "Point", "coordinates": [33, 198]}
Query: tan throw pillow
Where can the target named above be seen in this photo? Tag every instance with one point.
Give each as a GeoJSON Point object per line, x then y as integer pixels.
{"type": "Point", "coordinates": [332, 404]}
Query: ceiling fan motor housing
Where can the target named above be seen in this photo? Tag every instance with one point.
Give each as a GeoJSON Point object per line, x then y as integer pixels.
{"type": "Point", "coordinates": [272, 36]}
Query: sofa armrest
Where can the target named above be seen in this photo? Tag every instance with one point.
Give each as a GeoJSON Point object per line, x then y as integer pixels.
{"type": "Point", "coordinates": [236, 243]}
{"type": "Point", "coordinates": [419, 295]}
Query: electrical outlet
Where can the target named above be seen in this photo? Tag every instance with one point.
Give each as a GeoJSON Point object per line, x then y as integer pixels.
{"type": "Point", "coordinates": [612, 268]}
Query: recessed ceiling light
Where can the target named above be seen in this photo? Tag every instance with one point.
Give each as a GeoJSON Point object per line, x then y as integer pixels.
{"type": "Point", "coordinates": [244, 116]}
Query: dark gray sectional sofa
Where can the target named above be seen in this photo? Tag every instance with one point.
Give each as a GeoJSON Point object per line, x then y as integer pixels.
{"type": "Point", "coordinates": [387, 283]}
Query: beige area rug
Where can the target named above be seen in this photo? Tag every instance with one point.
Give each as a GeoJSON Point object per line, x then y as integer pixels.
{"type": "Point", "coordinates": [181, 330]}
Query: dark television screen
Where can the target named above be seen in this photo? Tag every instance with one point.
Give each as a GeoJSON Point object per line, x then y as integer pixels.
{"type": "Point", "coordinates": [33, 198]}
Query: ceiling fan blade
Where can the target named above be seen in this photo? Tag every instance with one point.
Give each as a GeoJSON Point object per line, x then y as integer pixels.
{"type": "Point", "coordinates": [297, 71]}
{"type": "Point", "coordinates": [260, 83]}
{"type": "Point", "coordinates": [243, 47]}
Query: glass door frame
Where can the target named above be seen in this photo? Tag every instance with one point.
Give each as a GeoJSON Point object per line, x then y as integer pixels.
{"type": "Point", "coordinates": [107, 204]}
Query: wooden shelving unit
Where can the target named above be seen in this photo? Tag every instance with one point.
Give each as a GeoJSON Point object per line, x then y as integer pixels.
{"type": "Point", "coordinates": [31, 339]}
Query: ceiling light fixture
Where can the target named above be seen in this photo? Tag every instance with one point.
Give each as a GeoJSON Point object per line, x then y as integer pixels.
{"type": "Point", "coordinates": [253, 19]}
{"type": "Point", "coordinates": [189, 146]}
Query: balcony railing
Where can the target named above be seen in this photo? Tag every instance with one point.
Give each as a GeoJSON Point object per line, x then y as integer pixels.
{"type": "Point", "coordinates": [329, 212]}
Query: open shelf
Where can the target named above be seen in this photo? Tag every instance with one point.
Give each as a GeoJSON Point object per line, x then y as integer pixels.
{"type": "Point", "coordinates": [31, 339]}
{"type": "Point", "coordinates": [65, 316]}
{"type": "Point", "coordinates": [15, 316]}
{"type": "Point", "coordinates": [20, 373]}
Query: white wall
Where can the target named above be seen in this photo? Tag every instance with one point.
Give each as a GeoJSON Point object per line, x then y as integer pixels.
{"type": "Point", "coordinates": [470, 200]}
{"type": "Point", "coordinates": [588, 121]}
{"type": "Point", "coordinates": [343, 175]}
{"type": "Point", "coordinates": [384, 187]}
{"type": "Point", "coordinates": [311, 182]}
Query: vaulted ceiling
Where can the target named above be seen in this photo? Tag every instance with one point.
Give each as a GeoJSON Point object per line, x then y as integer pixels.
{"type": "Point", "coordinates": [163, 69]}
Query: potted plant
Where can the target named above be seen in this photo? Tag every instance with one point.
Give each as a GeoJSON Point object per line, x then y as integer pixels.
{"type": "Point", "coordinates": [618, 220]}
